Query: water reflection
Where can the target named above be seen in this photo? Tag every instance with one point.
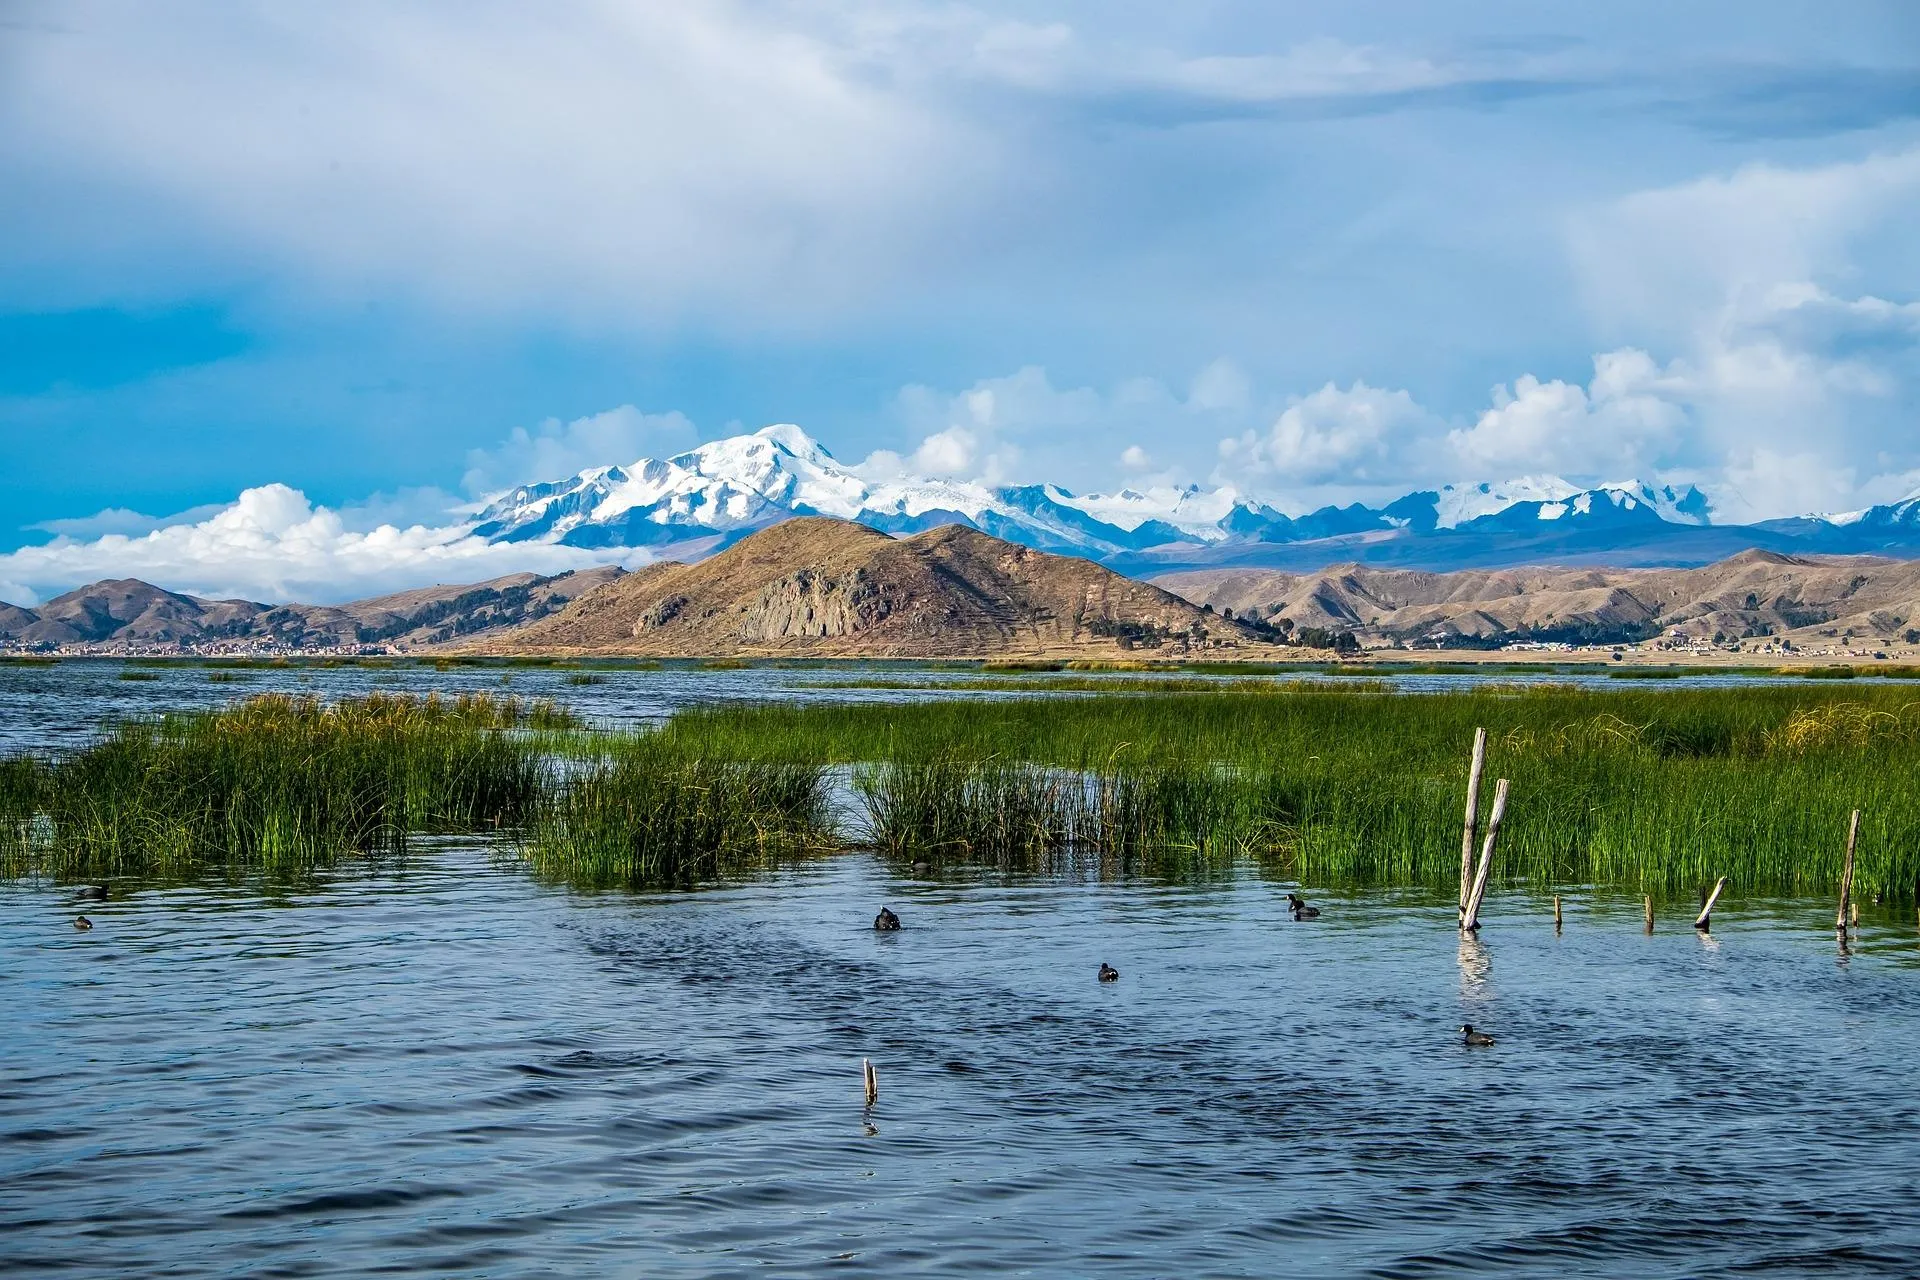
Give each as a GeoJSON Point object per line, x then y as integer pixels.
{"type": "Point", "coordinates": [1476, 967]}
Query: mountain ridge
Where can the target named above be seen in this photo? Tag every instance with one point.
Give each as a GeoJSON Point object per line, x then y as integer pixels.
{"type": "Point", "coordinates": [706, 498]}
{"type": "Point", "coordinates": [818, 586]}
{"type": "Point", "coordinates": [130, 612]}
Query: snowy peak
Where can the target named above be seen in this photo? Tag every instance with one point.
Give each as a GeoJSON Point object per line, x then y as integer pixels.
{"type": "Point", "coordinates": [721, 491]}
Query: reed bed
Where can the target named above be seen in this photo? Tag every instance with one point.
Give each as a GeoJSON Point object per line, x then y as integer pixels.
{"type": "Point", "coordinates": [274, 784]}
{"type": "Point", "coordinates": [1019, 815]}
{"type": "Point", "coordinates": [1656, 790]}
{"type": "Point", "coordinates": [651, 816]}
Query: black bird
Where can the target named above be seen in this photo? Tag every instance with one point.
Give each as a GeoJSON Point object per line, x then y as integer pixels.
{"type": "Point", "coordinates": [1108, 973]}
{"type": "Point", "coordinates": [886, 921]}
{"type": "Point", "coordinates": [1469, 1036]}
{"type": "Point", "coordinates": [92, 893]}
{"type": "Point", "coordinates": [1301, 911]}
{"type": "Point", "coordinates": [82, 923]}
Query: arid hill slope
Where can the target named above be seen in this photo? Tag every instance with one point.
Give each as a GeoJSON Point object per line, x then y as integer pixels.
{"type": "Point", "coordinates": [1753, 593]}
{"type": "Point", "coordinates": [827, 587]}
{"type": "Point", "coordinates": [127, 611]}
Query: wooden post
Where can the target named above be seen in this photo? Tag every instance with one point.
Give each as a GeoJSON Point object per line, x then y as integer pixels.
{"type": "Point", "coordinates": [1649, 913]}
{"type": "Point", "coordinates": [872, 1081]}
{"type": "Point", "coordinates": [1846, 874]}
{"type": "Point", "coordinates": [1704, 921]}
{"type": "Point", "coordinates": [1472, 917]}
{"type": "Point", "coordinates": [1473, 819]}
{"type": "Point", "coordinates": [1556, 913]}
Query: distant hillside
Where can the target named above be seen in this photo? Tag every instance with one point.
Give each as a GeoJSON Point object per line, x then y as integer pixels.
{"type": "Point", "coordinates": [1750, 594]}
{"type": "Point", "coordinates": [819, 586]}
{"type": "Point", "coordinates": [127, 611]}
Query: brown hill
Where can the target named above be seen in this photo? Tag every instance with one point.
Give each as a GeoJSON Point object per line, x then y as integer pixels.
{"type": "Point", "coordinates": [126, 611]}
{"type": "Point", "coordinates": [826, 587]}
{"type": "Point", "coordinates": [1754, 593]}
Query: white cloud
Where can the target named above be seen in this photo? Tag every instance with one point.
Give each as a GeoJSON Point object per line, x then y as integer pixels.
{"type": "Point", "coordinates": [554, 449]}
{"type": "Point", "coordinates": [1357, 436]}
{"type": "Point", "coordinates": [1626, 422]}
{"type": "Point", "coordinates": [119, 520]}
{"type": "Point", "coordinates": [273, 544]}
{"type": "Point", "coordinates": [1134, 458]}
{"type": "Point", "coordinates": [602, 160]}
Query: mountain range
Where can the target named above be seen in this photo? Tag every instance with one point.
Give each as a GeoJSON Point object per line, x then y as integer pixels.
{"type": "Point", "coordinates": [1757, 596]}
{"type": "Point", "coordinates": [705, 499]}
{"type": "Point", "coordinates": [129, 612]}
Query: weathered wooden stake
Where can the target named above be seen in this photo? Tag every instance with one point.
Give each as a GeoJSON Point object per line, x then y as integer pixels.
{"type": "Point", "coordinates": [1846, 874]}
{"type": "Point", "coordinates": [1473, 819]}
{"type": "Point", "coordinates": [872, 1081]}
{"type": "Point", "coordinates": [1649, 913]}
{"type": "Point", "coordinates": [1471, 919]}
{"type": "Point", "coordinates": [1704, 921]}
{"type": "Point", "coordinates": [1556, 912]}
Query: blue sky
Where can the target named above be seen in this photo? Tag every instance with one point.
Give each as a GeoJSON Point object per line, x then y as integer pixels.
{"type": "Point", "coordinates": [1317, 252]}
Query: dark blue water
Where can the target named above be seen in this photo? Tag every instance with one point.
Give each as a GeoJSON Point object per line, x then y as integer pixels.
{"type": "Point", "coordinates": [451, 1070]}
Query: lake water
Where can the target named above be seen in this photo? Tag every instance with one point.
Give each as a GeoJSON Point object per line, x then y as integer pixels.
{"type": "Point", "coordinates": [44, 707]}
{"type": "Point", "coordinates": [445, 1068]}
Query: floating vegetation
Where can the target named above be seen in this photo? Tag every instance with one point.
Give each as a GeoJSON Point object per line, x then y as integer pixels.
{"type": "Point", "coordinates": [139, 675]}
{"type": "Point", "coordinates": [652, 817]}
{"type": "Point", "coordinates": [274, 784]}
{"type": "Point", "coordinates": [583, 678]}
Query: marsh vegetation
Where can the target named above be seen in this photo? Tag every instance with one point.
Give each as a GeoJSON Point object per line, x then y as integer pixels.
{"type": "Point", "coordinates": [1640, 787]}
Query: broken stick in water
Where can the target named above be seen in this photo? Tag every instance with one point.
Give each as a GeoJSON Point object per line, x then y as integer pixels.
{"type": "Point", "coordinates": [1556, 913]}
{"type": "Point", "coordinates": [872, 1081]}
{"type": "Point", "coordinates": [1473, 819]}
{"type": "Point", "coordinates": [1846, 875]}
{"type": "Point", "coordinates": [1649, 913]}
{"type": "Point", "coordinates": [1470, 920]}
{"type": "Point", "coordinates": [1704, 922]}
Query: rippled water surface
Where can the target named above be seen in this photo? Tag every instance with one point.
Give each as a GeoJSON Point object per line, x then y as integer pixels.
{"type": "Point", "coordinates": [64, 704]}
{"type": "Point", "coordinates": [445, 1068]}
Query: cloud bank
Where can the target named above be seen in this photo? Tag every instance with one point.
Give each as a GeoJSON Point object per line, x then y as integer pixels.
{"type": "Point", "coordinates": [272, 544]}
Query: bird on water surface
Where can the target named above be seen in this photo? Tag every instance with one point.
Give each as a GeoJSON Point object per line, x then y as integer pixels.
{"type": "Point", "coordinates": [1108, 973]}
{"type": "Point", "coordinates": [1469, 1036]}
{"type": "Point", "coordinates": [886, 921]}
{"type": "Point", "coordinates": [1301, 911]}
{"type": "Point", "coordinates": [92, 893]}
{"type": "Point", "coordinates": [82, 923]}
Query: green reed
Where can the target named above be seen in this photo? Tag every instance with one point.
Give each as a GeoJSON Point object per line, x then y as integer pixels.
{"type": "Point", "coordinates": [275, 784]}
{"type": "Point", "coordinates": [648, 815]}
{"type": "Point", "coordinates": [1654, 789]}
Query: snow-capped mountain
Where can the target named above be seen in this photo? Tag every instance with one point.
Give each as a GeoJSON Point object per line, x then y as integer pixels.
{"type": "Point", "coordinates": [731, 487]}
{"type": "Point", "coordinates": [712, 495]}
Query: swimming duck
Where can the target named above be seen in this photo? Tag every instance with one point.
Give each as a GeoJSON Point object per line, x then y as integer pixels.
{"type": "Point", "coordinates": [886, 921]}
{"type": "Point", "coordinates": [1108, 973]}
{"type": "Point", "coordinates": [1301, 911]}
{"type": "Point", "coordinates": [1469, 1036]}
{"type": "Point", "coordinates": [92, 893]}
{"type": "Point", "coordinates": [82, 923]}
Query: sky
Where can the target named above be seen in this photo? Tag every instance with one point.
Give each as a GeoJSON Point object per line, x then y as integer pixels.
{"type": "Point", "coordinates": [281, 286]}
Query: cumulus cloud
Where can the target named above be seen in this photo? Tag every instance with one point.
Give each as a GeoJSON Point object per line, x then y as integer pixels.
{"type": "Point", "coordinates": [1361, 435]}
{"type": "Point", "coordinates": [1627, 421]}
{"type": "Point", "coordinates": [554, 449]}
{"type": "Point", "coordinates": [273, 544]}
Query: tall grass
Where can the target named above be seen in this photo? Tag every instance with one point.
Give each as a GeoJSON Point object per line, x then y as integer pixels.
{"type": "Point", "coordinates": [275, 784]}
{"type": "Point", "coordinates": [1657, 790]}
{"type": "Point", "coordinates": [652, 816]}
